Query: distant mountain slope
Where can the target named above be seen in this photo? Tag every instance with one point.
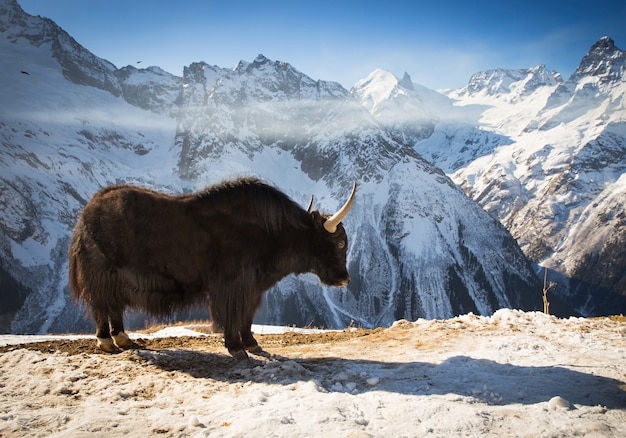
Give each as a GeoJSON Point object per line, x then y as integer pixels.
{"type": "Point", "coordinates": [418, 246]}
{"type": "Point", "coordinates": [547, 158]}
{"type": "Point", "coordinates": [62, 137]}
{"type": "Point", "coordinates": [415, 247]}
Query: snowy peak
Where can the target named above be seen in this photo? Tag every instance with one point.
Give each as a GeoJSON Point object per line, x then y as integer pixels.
{"type": "Point", "coordinates": [152, 89]}
{"type": "Point", "coordinates": [595, 90]}
{"type": "Point", "coordinates": [519, 83]}
{"type": "Point", "coordinates": [406, 111]}
{"type": "Point", "coordinates": [549, 163]}
{"type": "Point", "coordinates": [380, 86]}
{"type": "Point", "coordinates": [282, 78]}
{"type": "Point", "coordinates": [159, 89]}
{"type": "Point", "coordinates": [11, 14]}
{"type": "Point", "coordinates": [78, 64]}
{"type": "Point", "coordinates": [268, 103]}
{"type": "Point", "coordinates": [395, 101]}
{"type": "Point", "coordinates": [259, 63]}
{"type": "Point", "coordinates": [406, 82]}
{"type": "Point", "coordinates": [604, 61]}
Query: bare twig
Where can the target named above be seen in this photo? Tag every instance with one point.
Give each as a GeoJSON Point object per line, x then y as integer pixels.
{"type": "Point", "coordinates": [546, 288]}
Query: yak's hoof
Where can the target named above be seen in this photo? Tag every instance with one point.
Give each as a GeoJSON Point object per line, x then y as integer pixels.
{"type": "Point", "coordinates": [123, 341]}
{"type": "Point", "coordinates": [107, 345]}
{"type": "Point", "coordinates": [238, 354]}
{"type": "Point", "coordinates": [254, 348]}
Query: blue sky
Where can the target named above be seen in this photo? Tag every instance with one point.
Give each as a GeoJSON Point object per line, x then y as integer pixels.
{"type": "Point", "coordinates": [440, 43]}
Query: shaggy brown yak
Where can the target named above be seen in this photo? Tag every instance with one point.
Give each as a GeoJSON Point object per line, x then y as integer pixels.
{"type": "Point", "coordinates": [137, 248]}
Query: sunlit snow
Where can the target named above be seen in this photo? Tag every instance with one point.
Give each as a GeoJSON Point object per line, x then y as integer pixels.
{"type": "Point", "coordinates": [511, 374]}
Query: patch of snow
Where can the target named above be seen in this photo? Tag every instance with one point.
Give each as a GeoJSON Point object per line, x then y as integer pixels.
{"type": "Point", "coordinates": [510, 374]}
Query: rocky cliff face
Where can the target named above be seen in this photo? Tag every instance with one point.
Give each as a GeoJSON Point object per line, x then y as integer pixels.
{"type": "Point", "coordinates": [547, 158]}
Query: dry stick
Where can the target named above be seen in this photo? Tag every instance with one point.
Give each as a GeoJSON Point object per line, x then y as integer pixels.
{"type": "Point", "coordinates": [546, 303]}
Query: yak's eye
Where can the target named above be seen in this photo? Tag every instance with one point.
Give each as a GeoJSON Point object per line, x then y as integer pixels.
{"type": "Point", "coordinates": [341, 244]}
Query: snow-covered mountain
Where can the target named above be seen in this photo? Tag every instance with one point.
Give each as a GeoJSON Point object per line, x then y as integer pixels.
{"type": "Point", "coordinates": [65, 131]}
{"type": "Point", "coordinates": [547, 158]}
{"type": "Point", "coordinates": [72, 122]}
{"type": "Point", "coordinates": [403, 108]}
{"type": "Point", "coordinates": [418, 247]}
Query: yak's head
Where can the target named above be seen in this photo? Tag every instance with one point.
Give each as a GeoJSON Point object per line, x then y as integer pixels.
{"type": "Point", "coordinates": [331, 245]}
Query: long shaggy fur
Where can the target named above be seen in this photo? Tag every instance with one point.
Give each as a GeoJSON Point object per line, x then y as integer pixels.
{"type": "Point", "coordinates": [138, 248]}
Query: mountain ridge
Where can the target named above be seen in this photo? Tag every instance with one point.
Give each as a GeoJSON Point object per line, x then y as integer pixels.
{"type": "Point", "coordinates": [549, 164]}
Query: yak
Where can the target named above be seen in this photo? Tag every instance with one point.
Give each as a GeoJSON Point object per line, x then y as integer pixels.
{"type": "Point", "coordinates": [138, 248]}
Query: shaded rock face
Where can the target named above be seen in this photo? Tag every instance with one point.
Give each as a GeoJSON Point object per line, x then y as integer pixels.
{"type": "Point", "coordinates": [603, 61]}
{"type": "Point", "coordinates": [548, 161]}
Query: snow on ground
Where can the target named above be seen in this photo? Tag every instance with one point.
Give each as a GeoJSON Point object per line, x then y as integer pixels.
{"type": "Point", "coordinates": [511, 374]}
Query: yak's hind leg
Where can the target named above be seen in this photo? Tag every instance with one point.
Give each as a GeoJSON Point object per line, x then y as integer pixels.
{"type": "Point", "coordinates": [108, 312]}
{"type": "Point", "coordinates": [118, 334]}
{"type": "Point", "coordinates": [94, 281]}
{"type": "Point", "coordinates": [110, 334]}
{"type": "Point", "coordinates": [103, 335]}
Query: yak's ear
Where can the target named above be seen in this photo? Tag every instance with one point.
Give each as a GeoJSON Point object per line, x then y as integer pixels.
{"type": "Point", "coordinates": [318, 218]}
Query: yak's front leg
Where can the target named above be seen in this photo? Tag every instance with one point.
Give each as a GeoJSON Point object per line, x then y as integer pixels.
{"type": "Point", "coordinates": [248, 340]}
{"type": "Point", "coordinates": [232, 341]}
{"type": "Point", "coordinates": [223, 322]}
{"type": "Point", "coordinates": [234, 310]}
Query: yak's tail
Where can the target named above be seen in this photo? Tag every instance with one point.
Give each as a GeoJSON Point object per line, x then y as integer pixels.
{"type": "Point", "coordinates": [75, 269]}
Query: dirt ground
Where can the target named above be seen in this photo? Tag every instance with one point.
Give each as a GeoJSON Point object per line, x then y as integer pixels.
{"type": "Point", "coordinates": [211, 342]}
{"type": "Point", "coordinates": [439, 334]}
{"type": "Point", "coordinates": [190, 352]}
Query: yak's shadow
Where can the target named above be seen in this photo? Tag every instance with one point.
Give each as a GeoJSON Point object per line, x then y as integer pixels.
{"type": "Point", "coordinates": [481, 379]}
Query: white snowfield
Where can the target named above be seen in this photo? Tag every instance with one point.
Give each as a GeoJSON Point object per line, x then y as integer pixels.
{"type": "Point", "coordinates": [511, 374]}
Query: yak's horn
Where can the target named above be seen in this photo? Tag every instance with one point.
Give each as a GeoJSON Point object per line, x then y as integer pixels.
{"type": "Point", "coordinates": [331, 223]}
{"type": "Point", "coordinates": [308, 209]}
